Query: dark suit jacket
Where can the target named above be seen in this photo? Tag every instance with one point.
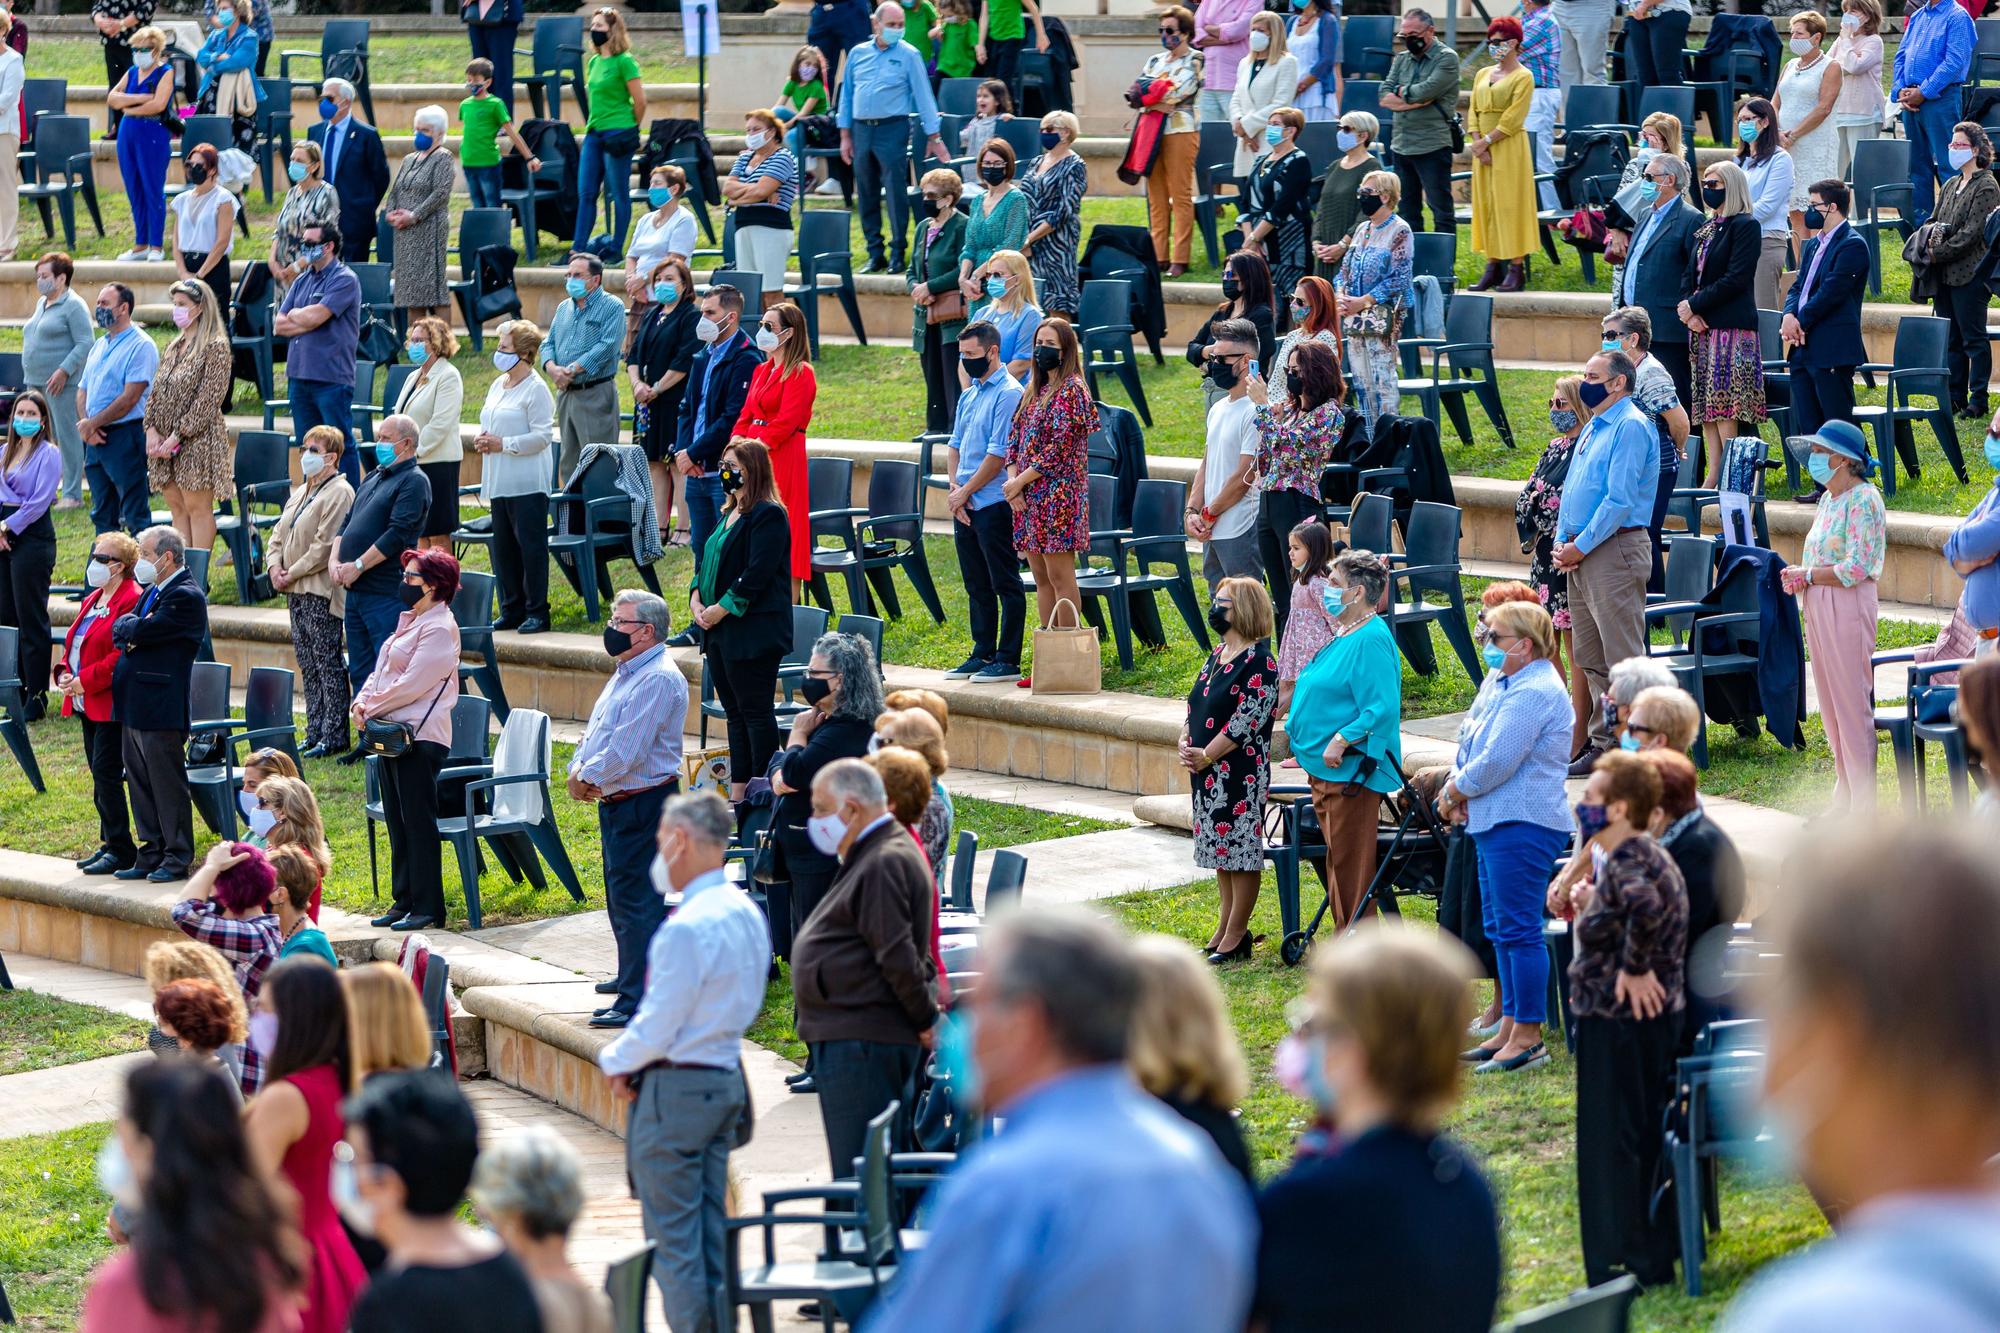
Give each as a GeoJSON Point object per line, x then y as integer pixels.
{"type": "Point", "coordinates": [1722, 287]}
{"type": "Point", "coordinates": [499, 16]}
{"type": "Point", "coordinates": [1831, 315]}
{"type": "Point", "coordinates": [149, 686]}
{"type": "Point", "coordinates": [1656, 283]}
{"type": "Point", "coordinates": [755, 565]}
{"type": "Point", "coordinates": [862, 964]}
{"type": "Point", "coordinates": [361, 179]}
{"type": "Point", "coordinates": [727, 389]}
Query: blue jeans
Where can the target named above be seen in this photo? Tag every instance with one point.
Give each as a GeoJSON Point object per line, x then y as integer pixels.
{"type": "Point", "coordinates": [117, 472]}
{"type": "Point", "coordinates": [326, 403]}
{"type": "Point", "coordinates": [1929, 131]}
{"type": "Point", "coordinates": [483, 184]}
{"type": "Point", "coordinates": [882, 165]}
{"type": "Point", "coordinates": [1515, 859]}
{"type": "Point", "coordinates": [704, 500]}
{"type": "Point", "coordinates": [601, 165]}
{"type": "Point", "coordinates": [371, 619]}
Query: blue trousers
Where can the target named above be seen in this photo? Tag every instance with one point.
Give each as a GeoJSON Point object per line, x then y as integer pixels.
{"type": "Point", "coordinates": [325, 403]}
{"type": "Point", "coordinates": [483, 184]}
{"type": "Point", "coordinates": [143, 153]}
{"type": "Point", "coordinates": [882, 166]}
{"type": "Point", "coordinates": [1929, 131]}
{"type": "Point", "coordinates": [704, 500]}
{"type": "Point", "coordinates": [635, 908]}
{"type": "Point", "coordinates": [1514, 863]}
{"type": "Point", "coordinates": [117, 472]}
{"type": "Point", "coordinates": [371, 619]}
{"type": "Point", "coordinates": [597, 167]}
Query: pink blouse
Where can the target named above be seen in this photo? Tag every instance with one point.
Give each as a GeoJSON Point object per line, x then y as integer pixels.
{"type": "Point", "coordinates": [418, 665]}
{"type": "Point", "coordinates": [1308, 630]}
{"type": "Point", "coordinates": [117, 1305]}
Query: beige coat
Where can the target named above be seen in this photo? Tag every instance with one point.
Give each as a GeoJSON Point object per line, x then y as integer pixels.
{"type": "Point", "coordinates": [435, 405]}
{"type": "Point", "coordinates": [302, 542]}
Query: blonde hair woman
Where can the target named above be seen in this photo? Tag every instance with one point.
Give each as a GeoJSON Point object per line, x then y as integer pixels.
{"type": "Point", "coordinates": [1375, 292]}
{"type": "Point", "coordinates": [188, 457]}
{"type": "Point", "coordinates": [761, 189]}
{"type": "Point", "coordinates": [168, 961]}
{"type": "Point", "coordinates": [434, 398]}
{"type": "Point", "coordinates": [1182, 1049]}
{"type": "Point", "coordinates": [1008, 283]}
{"type": "Point", "coordinates": [301, 547]}
{"type": "Point", "coordinates": [1857, 115]}
{"type": "Point", "coordinates": [1266, 79]}
{"type": "Point", "coordinates": [295, 810]}
{"type": "Point", "coordinates": [136, 98]}
{"type": "Point", "coordinates": [917, 731]}
{"type": "Point", "coordinates": [1720, 311]}
{"type": "Point", "coordinates": [1055, 187]}
{"type": "Point", "coordinates": [516, 425]}
{"type": "Point", "coordinates": [387, 1029]}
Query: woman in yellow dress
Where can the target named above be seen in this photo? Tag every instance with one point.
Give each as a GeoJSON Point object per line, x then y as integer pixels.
{"type": "Point", "coordinates": [1503, 168]}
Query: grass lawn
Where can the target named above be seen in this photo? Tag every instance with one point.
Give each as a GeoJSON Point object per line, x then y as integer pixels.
{"type": "Point", "coordinates": [52, 1229]}
{"type": "Point", "coordinates": [40, 1032]}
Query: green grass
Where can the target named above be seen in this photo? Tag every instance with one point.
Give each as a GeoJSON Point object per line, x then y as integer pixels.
{"type": "Point", "coordinates": [40, 1032]}
{"type": "Point", "coordinates": [52, 1229]}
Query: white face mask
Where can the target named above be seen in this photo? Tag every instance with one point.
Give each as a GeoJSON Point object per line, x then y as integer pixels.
{"type": "Point", "coordinates": [143, 60]}
{"type": "Point", "coordinates": [663, 882]}
{"type": "Point", "coordinates": [767, 341]}
{"type": "Point", "coordinates": [505, 361]}
{"type": "Point", "coordinates": [826, 831]}
{"type": "Point", "coordinates": [807, 73]}
{"type": "Point", "coordinates": [96, 574]}
{"type": "Point", "coordinates": [707, 329]}
{"type": "Point", "coordinates": [260, 820]}
{"type": "Point", "coordinates": [145, 571]}
{"type": "Point", "coordinates": [345, 1186]}
{"type": "Point", "coordinates": [312, 464]}
{"type": "Point", "coordinates": [755, 139]}
{"type": "Point", "coordinates": [1260, 40]}
{"type": "Point", "coordinates": [1804, 46]}
{"type": "Point", "coordinates": [115, 1175]}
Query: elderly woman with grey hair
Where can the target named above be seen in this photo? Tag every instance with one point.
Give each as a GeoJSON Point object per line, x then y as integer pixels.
{"type": "Point", "coordinates": [1629, 679]}
{"type": "Point", "coordinates": [418, 209]}
{"type": "Point", "coordinates": [529, 1186]}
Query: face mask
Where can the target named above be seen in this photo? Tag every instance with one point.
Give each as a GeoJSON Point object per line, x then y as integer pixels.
{"type": "Point", "coordinates": [826, 831]}
{"type": "Point", "coordinates": [385, 454]}
{"type": "Point", "coordinates": [767, 341]}
{"type": "Point", "coordinates": [310, 255]}
{"type": "Point", "coordinates": [600, 36]}
{"type": "Point", "coordinates": [27, 427]}
{"type": "Point", "coordinates": [423, 141]}
{"type": "Point", "coordinates": [1563, 419]}
{"type": "Point", "coordinates": [1222, 374]}
{"type": "Point", "coordinates": [992, 175]}
{"type": "Point", "coordinates": [1590, 820]}
{"type": "Point", "coordinates": [707, 329]}
{"type": "Point", "coordinates": [1498, 50]}
{"type": "Point", "coordinates": [45, 285]}
{"type": "Point", "coordinates": [418, 353]}
{"type": "Point", "coordinates": [1413, 43]}
{"type": "Point", "coordinates": [145, 571]}
{"type": "Point", "coordinates": [96, 574]}
{"type": "Point", "coordinates": [1649, 191]}
{"type": "Point", "coordinates": [576, 287]}
{"type": "Point", "coordinates": [1713, 195]}
{"type": "Point", "coordinates": [1260, 41]}
{"type": "Point", "coordinates": [221, 20]}
{"type": "Point", "coordinates": [143, 60]}
{"type": "Point", "coordinates": [1958, 157]}
{"type": "Point", "coordinates": [1611, 344]}
{"type": "Point", "coordinates": [731, 479]}
{"type": "Point", "coordinates": [328, 108]}
{"type": "Point", "coordinates": [296, 170]}
{"type": "Point", "coordinates": [756, 139]}
{"type": "Point", "coordinates": [1050, 138]}
{"type": "Point", "coordinates": [473, 87]}
{"type": "Point", "coordinates": [1299, 312]}
{"type": "Point", "coordinates": [1993, 451]}
{"type": "Point", "coordinates": [1593, 395]}
{"type": "Point", "coordinates": [659, 196]}
{"type": "Point", "coordinates": [411, 593]}
{"type": "Point", "coordinates": [976, 367]}
{"type": "Point", "coordinates": [312, 464]}
{"type": "Point", "coordinates": [261, 822]}
{"type": "Point", "coordinates": [115, 1175]}
{"type": "Point", "coordinates": [505, 361]}
{"type": "Point", "coordinates": [1804, 46]}
{"type": "Point", "coordinates": [1347, 140]}
{"type": "Point", "coordinates": [616, 641]}
{"type": "Point", "coordinates": [182, 316]}
{"type": "Point", "coordinates": [1815, 219]}
{"type": "Point", "coordinates": [1231, 287]}
{"type": "Point", "coordinates": [1628, 742]}
{"type": "Point", "coordinates": [1048, 359]}
{"type": "Point", "coordinates": [1170, 40]}
{"type": "Point", "coordinates": [663, 883]}
{"type": "Point", "coordinates": [996, 287]}
{"type": "Point", "coordinates": [666, 293]}
{"type": "Point", "coordinates": [345, 1187]}
{"type": "Point", "coordinates": [102, 314]}
{"type": "Point", "coordinates": [814, 690]}
{"type": "Point", "coordinates": [1851, 22]}
{"type": "Point", "coordinates": [955, 1063]}
{"type": "Point", "coordinates": [1370, 204]}
{"type": "Point", "coordinates": [1218, 619]}
{"type": "Point", "coordinates": [1494, 656]}
{"type": "Point", "coordinates": [807, 73]}
{"type": "Point", "coordinates": [1821, 468]}
{"type": "Point", "coordinates": [1746, 130]}
{"type": "Point", "coordinates": [928, 206]}
{"type": "Point", "coordinates": [264, 1032]}
{"type": "Point", "coordinates": [889, 37]}
{"type": "Point", "coordinates": [1274, 135]}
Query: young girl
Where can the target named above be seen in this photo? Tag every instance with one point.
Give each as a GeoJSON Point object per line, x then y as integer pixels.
{"type": "Point", "coordinates": [262, 764]}
{"type": "Point", "coordinates": [993, 103]}
{"type": "Point", "coordinates": [806, 93]}
{"type": "Point", "coordinates": [956, 36]}
{"type": "Point", "coordinates": [1308, 629]}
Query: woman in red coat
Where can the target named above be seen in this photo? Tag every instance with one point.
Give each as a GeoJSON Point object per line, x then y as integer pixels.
{"type": "Point", "coordinates": [84, 677]}
{"type": "Point", "coordinates": [777, 411]}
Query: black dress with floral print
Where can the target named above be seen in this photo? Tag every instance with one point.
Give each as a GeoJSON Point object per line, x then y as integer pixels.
{"type": "Point", "coordinates": [1237, 698]}
{"type": "Point", "coordinates": [1536, 510]}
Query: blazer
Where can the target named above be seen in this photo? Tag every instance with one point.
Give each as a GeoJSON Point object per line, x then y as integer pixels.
{"type": "Point", "coordinates": [361, 179]}
{"type": "Point", "coordinates": [752, 568]}
{"type": "Point", "coordinates": [100, 657]}
{"type": "Point", "coordinates": [1656, 283]}
{"type": "Point", "coordinates": [302, 542]}
{"type": "Point", "coordinates": [835, 738]}
{"type": "Point", "coordinates": [1722, 288]}
{"type": "Point", "coordinates": [862, 961]}
{"type": "Point", "coordinates": [502, 14]}
{"type": "Point", "coordinates": [435, 405]}
{"type": "Point", "coordinates": [936, 263]}
{"type": "Point", "coordinates": [161, 635]}
{"type": "Point", "coordinates": [727, 388]}
{"type": "Point", "coordinates": [1831, 314]}
{"type": "Point", "coordinates": [778, 410]}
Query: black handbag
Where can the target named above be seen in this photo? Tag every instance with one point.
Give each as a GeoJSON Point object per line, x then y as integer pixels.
{"type": "Point", "coordinates": [391, 740]}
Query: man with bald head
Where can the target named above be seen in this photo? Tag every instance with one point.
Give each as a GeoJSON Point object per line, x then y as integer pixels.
{"type": "Point", "coordinates": [886, 84]}
{"type": "Point", "coordinates": [385, 521]}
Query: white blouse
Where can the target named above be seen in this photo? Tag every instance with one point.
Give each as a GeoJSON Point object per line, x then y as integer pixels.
{"type": "Point", "coordinates": [195, 230]}
{"type": "Point", "coordinates": [1770, 191]}
{"type": "Point", "coordinates": [524, 417]}
{"type": "Point", "coordinates": [652, 242]}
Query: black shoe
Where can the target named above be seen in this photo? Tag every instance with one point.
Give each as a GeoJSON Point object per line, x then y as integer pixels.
{"type": "Point", "coordinates": [505, 623]}
{"type": "Point", "coordinates": [610, 1018]}
{"type": "Point", "coordinates": [1580, 766]}
{"type": "Point", "coordinates": [1538, 1054]}
{"type": "Point", "coordinates": [314, 752]}
{"type": "Point", "coordinates": [106, 864]}
{"type": "Point", "coordinates": [415, 922]}
{"type": "Point", "coordinates": [793, 1080]}
{"type": "Point", "coordinates": [606, 988]}
{"type": "Point", "coordinates": [687, 638]}
{"type": "Point", "coordinates": [97, 855]}
{"type": "Point", "coordinates": [1479, 1055]}
{"type": "Point", "coordinates": [352, 757]}
{"type": "Point", "coordinates": [534, 625]}
{"type": "Point", "coordinates": [130, 873]}
{"type": "Point", "coordinates": [805, 1087]}
{"type": "Point", "coordinates": [607, 1009]}
{"type": "Point", "coordinates": [37, 707]}
{"type": "Point", "coordinates": [1240, 952]}
{"type": "Point", "coordinates": [874, 265]}
{"type": "Point", "coordinates": [1810, 497]}
{"type": "Point", "coordinates": [165, 875]}
{"type": "Point", "coordinates": [387, 919]}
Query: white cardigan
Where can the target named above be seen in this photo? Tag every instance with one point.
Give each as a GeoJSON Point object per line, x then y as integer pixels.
{"type": "Point", "coordinates": [1253, 101]}
{"type": "Point", "coordinates": [435, 405]}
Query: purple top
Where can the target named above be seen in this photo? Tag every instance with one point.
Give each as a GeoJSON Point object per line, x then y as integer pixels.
{"type": "Point", "coordinates": [32, 487]}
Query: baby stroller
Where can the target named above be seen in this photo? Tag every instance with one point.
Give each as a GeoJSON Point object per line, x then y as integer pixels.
{"type": "Point", "coordinates": [1410, 853]}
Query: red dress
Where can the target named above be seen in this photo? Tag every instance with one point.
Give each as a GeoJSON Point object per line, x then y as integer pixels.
{"type": "Point", "coordinates": [777, 411]}
{"type": "Point", "coordinates": [335, 1277]}
{"type": "Point", "coordinates": [1052, 437]}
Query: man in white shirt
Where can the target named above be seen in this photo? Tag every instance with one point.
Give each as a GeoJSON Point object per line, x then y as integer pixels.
{"type": "Point", "coordinates": [1221, 512]}
{"type": "Point", "coordinates": [679, 1062]}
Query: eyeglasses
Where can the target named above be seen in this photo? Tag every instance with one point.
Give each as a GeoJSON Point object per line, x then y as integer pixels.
{"type": "Point", "coordinates": [627, 625]}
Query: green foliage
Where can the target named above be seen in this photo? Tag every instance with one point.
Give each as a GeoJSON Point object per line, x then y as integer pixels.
{"type": "Point", "coordinates": [39, 1032]}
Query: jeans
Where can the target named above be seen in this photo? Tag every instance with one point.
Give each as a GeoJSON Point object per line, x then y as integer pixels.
{"type": "Point", "coordinates": [1586, 29]}
{"type": "Point", "coordinates": [626, 829]}
{"type": "Point", "coordinates": [882, 165]}
{"type": "Point", "coordinates": [370, 620]}
{"type": "Point", "coordinates": [996, 603]}
{"type": "Point", "coordinates": [1514, 863]}
{"type": "Point", "coordinates": [1427, 174]}
{"type": "Point", "coordinates": [327, 403]}
{"type": "Point", "coordinates": [704, 502]}
{"type": "Point", "coordinates": [677, 1156]}
{"type": "Point", "coordinates": [483, 184]}
{"type": "Point", "coordinates": [117, 472]}
{"type": "Point", "coordinates": [1653, 49]}
{"type": "Point", "coordinates": [1929, 130]}
{"type": "Point", "coordinates": [601, 164]}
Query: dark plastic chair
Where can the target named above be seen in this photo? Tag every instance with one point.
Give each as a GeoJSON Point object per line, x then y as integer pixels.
{"type": "Point", "coordinates": [1156, 538]}
{"type": "Point", "coordinates": [1435, 254]}
{"type": "Point", "coordinates": [472, 608]}
{"type": "Point", "coordinates": [750, 284]}
{"type": "Point", "coordinates": [1601, 1309]}
{"type": "Point", "coordinates": [1214, 167]}
{"type": "Point", "coordinates": [272, 131]}
{"type": "Point", "coordinates": [1432, 570]}
{"type": "Point", "coordinates": [267, 721]}
{"type": "Point", "coordinates": [1722, 639]}
{"type": "Point", "coordinates": [887, 535]}
{"type": "Point", "coordinates": [1777, 386]}
{"type": "Point", "coordinates": [555, 58]}
{"type": "Point", "coordinates": [1711, 1117]}
{"type": "Point", "coordinates": [1367, 44]}
{"type": "Point", "coordinates": [1024, 135]}
{"type": "Point", "coordinates": [256, 317]}
{"type": "Point", "coordinates": [1676, 102]}
{"type": "Point", "coordinates": [541, 187]}
{"type": "Point", "coordinates": [508, 819]}
{"type": "Point", "coordinates": [437, 1008]}
{"type": "Point", "coordinates": [829, 495]}
{"type": "Point", "coordinates": [14, 726]}
{"type": "Point", "coordinates": [1880, 176]}
{"type": "Point", "coordinates": [367, 414]}
{"type": "Point", "coordinates": [485, 288]}
{"type": "Point", "coordinates": [1690, 576]}
{"type": "Point", "coordinates": [342, 54]}
{"type": "Point", "coordinates": [62, 172]}
{"type": "Point", "coordinates": [826, 251]}
{"type": "Point", "coordinates": [1985, 48]}
{"type": "Point", "coordinates": [959, 97]}
{"type": "Point", "coordinates": [39, 97]}
{"type": "Point", "coordinates": [964, 859]}
{"type": "Point", "coordinates": [625, 1283]}
{"type": "Point", "coordinates": [1592, 106]}
{"type": "Point", "coordinates": [1920, 367]}
{"type": "Point", "coordinates": [1467, 348]}
{"type": "Point", "coordinates": [1104, 328]}
{"type": "Point", "coordinates": [687, 157]}
{"type": "Point", "coordinates": [598, 530]}
{"type": "Point", "coordinates": [471, 717]}
{"type": "Point", "coordinates": [263, 480]}
{"type": "Point", "coordinates": [1004, 882]}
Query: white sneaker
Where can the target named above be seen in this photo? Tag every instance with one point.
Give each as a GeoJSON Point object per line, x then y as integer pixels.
{"type": "Point", "coordinates": [156, 256]}
{"type": "Point", "coordinates": [132, 256]}
{"type": "Point", "coordinates": [828, 186]}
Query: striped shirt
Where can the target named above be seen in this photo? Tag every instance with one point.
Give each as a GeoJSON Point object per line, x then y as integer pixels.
{"type": "Point", "coordinates": [1541, 46]}
{"type": "Point", "coordinates": [779, 166]}
{"type": "Point", "coordinates": [1513, 758]}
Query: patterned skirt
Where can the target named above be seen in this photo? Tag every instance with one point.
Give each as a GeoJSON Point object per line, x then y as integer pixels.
{"type": "Point", "coordinates": [1728, 376]}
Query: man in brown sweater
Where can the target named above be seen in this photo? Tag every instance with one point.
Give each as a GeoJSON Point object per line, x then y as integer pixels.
{"type": "Point", "coordinates": [862, 974]}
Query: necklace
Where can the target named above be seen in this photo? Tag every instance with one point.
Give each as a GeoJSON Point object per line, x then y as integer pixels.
{"type": "Point", "coordinates": [297, 926]}
{"type": "Point", "coordinates": [1343, 628]}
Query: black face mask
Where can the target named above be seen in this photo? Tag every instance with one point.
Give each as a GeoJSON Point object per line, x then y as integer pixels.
{"type": "Point", "coordinates": [1814, 219]}
{"type": "Point", "coordinates": [196, 173]}
{"type": "Point", "coordinates": [1413, 43]}
{"type": "Point", "coordinates": [993, 175]}
{"type": "Point", "coordinates": [1048, 359]}
{"type": "Point", "coordinates": [411, 593]}
{"type": "Point", "coordinates": [976, 366]}
{"type": "Point", "coordinates": [929, 206]}
{"type": "Point", "coordinates": [1370, 204]}
{"type": "Point", "coordinates": [814, 690]}
{"type": "Point", "coordinates": [1713, 195]}
{"type": "Point", "coordinates": [731, 479]}
{"type": "Point", "coordinates": [616, 641]}
{"type": "Point", "coordinates": [1218, 619]}
{"type": "Point", "coordinates": [1231, 288]}
{"type": "Point", "coordinates": [1222, 374]}
{"type": "Point", "coordinates": [598, 37]}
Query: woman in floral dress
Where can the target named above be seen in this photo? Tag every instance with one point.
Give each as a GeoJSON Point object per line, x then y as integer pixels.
{"type": "Point", "coordinates": [1535, 512]}
{"type": "Point", "coordinates": [1226, 750]}
{"type": "Point", "coordinates": [1295, 441]}
{"type": "Point", "coordinates": [1374, 292]}
{"type": "Point", "coordinates": [1048, 457]}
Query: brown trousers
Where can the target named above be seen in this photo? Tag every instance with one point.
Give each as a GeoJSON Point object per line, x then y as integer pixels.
{"type": "Point", "coordinates": [1170, 197]}
{"type": "Point", "coordinates": [1348, 824]}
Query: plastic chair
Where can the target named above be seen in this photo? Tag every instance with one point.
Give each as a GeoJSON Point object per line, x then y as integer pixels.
{"type": "Point", "coordinates": [1370, 526]}
{"type": "Point", "coordinates": [39, 97]}
{"type": "Point", "coordinates": [1214, 167]}
{"type": "Point", "coordinates": [1104, 321]}
{"type": "Point", "coordinates": [342, 54]}
{"type": "Point", "coordinates": [1777, 385]}
{"type": "Point", "coordinates": [1467, 348]}
{"type": "Point", "coordinates": [367, 414]}
{"type": "Point", "coordinates": [267, 721]}
{"type": "Point", "coordinates": [1879, 175]}
{"type": "Point", "coordinates": [1690, 576]}
{"type": "Point", "coordinates": [63, 171]}
{"type": "Point", "coordinates": [555, 59]}
{"type": "Point", "coordinates": [263, 478]}
{"type": "Point", "coordinates": [964, 859]}
{"type": "Point", "coordinates": [1367, 44]}
{"type": "Point", "coordinates": [886, 536]}
{"type": "Point", "coordinates": [959, 97]}
{"type": "Point", "coordinates": [1004, 882]}
{"type": "Point", "coordinates": [485, 288]}
{"type": "Point", "coordinates": [1985, 48]}
{"type": "Point", "coordinates": [544, 186]}
{"type": "Point", "coordinates": [472, 608]}
{"type": "Point", "coordinates": [14, 726]}
{"type": "Point", "coordinates": [1704, 1124]}
{"type": "Point", "coordinates": [808, 623]}
{"type": "Point", "coordinates": [1156, 538]}
{"type": "Point", "coordinates": [598, 531]}
{"type": "Point", "coordinates": [829, 493]}
{"type": "Point", "coordinates": [1593, 106]}
{"type": "Point", "coordinates": [625, 1281]}
{"type": "Point", "coordinates": [1432, 568]}
{"type": "Point", "coordinates": [520, 805]}
{"type": "Point", "coordinates": [470, 720]}
{"type": "Point", "coordinates": [1024, 135]}
{"type": "Point", "coordinates": [1920, 367]}
{"type": "Point", "coordinates": [1722, 639]}
{"type": "Point", "coordinates": [826, 251]}
{"type": "Point", "coordinates": [1600, 1309]}
{"type": "Point", "coordinates": [272, 130]}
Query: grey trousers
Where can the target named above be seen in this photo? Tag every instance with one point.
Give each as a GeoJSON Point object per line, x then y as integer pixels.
{"type": "Point", "coordinates": [585, 416]}
{"type": "Point", "coordinates": [162, 810]}
{"type": "Point", "coordinates": [1231, 557]}
{"type": "Point", "coordinates": [1771, 272]}
{"type": "Point", "coordinates": [62, 411]}
{"type": "Point", "coordinates": [1586, 33]}
{"type": "Point", "coordinates": [677, 1156]}
{"type": "Point", "coordinates": [1607, 613]}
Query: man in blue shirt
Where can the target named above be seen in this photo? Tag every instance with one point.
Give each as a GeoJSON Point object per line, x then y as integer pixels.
{"type": "Point", "coordinates": [982, 521]}
{"type": "Point", "coordinates": [581, 360]}
{"type": "Point", "coordinates": [1932, 61]}
{"type": "Point", "coordinates": [886, 84]}
{"type": "Point", "coordinates": [1602, 541]}
{"type": "Point", "coordinates": [1974, 547]}
{"type": "Point", "coordinates": [321, 315]}
{"type": "Point", "coordinates": [111, 399]}
{"type": "Point", "coordinates": [1097, 1207]}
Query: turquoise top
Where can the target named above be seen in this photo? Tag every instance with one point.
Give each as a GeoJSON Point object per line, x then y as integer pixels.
{"type": "Point", "coordinates": [312, 940]}
{"type": "Point", "coordinates": [1353, 688]}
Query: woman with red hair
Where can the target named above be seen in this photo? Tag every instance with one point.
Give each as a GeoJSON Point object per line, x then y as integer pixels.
{"type": "Point", "coordinates": [227, 906]}
{"type": "Point", "coordinates": [415, 683]}
{"type": "Point", "coordinates": [1503, 168]}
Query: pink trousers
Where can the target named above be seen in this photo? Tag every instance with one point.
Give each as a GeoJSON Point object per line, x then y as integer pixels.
{"type": "Point", "coordinates": [1840, 637]}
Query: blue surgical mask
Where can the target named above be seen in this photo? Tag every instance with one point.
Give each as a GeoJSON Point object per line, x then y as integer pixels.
{"type": "Point", "coordinates": [1347, 139]}
{"type": "Point", "coordinates": [1649, 191]}
{"type": "Point", "coordinates": [1821, 468]}
{"type": "Point", "coordinates": [576, 287]}
{"type": "Point", "coordinates": [1993, 451]}
{"type": "Point", "coordinates": [424, 141]}
{"type": "Point", "coordinates": [1611, 344]}
{"type": "Point", "coordinates": [1746, 130]}
{"type": "Point", "coordinates": [221, 18]}
{"type": "Point", "coordinates": [890, 36]}
{"type": "Point", "coordinates": [666, 293]}
{"type": "Point", "coordinates": [385, 454]}
{"type": "Point", "coordinates": [296, 170]}
{"type": "Point", "coordinates": [1494, 656]}
{"type": "Point", "coordinates": [27, 427]}
{"type": "Point", "coordinates": [996, 287]}
{"type": "Point", "coordinates": [1323, 1095]}
{"type": "Point", "coordinates": [1959, 157]}
{"type": "Point", "coordinates": [1628, 742]}
{"type": "Point", "coordinates": [955, 1062]}
{"type": "Point", "coordinates": [328, 108]}
{"type": "Point", "coordinates": [418, 353]}
{"type": "Point", "coordinates": [1274, 135]}
{"type": "Point", "coordinates": [659, 196]}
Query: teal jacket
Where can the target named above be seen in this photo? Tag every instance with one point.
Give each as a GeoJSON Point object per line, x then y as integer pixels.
{"type": "Point", "coordinates": [1354, 688]}
{"type": "Point", "coordinates": [938, 266]}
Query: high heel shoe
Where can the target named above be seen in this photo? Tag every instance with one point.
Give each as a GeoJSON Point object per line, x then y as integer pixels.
{"type": "Point", "coordinates": [1239, 953]}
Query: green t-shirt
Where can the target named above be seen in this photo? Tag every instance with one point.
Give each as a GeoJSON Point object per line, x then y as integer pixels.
{"type": "Point", "coordinates": [605, 78]}
{"type": "Point", "coordinates": [482, 116]}
{"type": "Point", "coordinates": [798, 94]}
{"type": "Point", "coordinates": [1003, 19]}
{"type": "Point", "coordinates": [919, 19]}
{"type": "Point", "coordinates": [955, 49]}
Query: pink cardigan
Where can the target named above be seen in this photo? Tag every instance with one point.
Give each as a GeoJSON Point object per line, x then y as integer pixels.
{"type": "Point", "coordinates": [418, 659]}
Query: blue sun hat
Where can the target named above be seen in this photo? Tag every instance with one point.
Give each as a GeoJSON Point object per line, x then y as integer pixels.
{"type": "Point", "coordinates": [1842, 437]}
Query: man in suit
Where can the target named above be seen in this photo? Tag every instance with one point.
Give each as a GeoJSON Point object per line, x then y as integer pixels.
{"type": "Point", "coordinates": [862, 975]}
{"type": "Point", "coordinates": [719, 381]}
{"type": "Point", "coordinates": [157, 642]}
{"type": "Point", "coordinates": [355, 165]}
{"type": "Point", "coordinates": [1656, 265]}
{"type": "Point", "coordinates": [1822, 327]}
